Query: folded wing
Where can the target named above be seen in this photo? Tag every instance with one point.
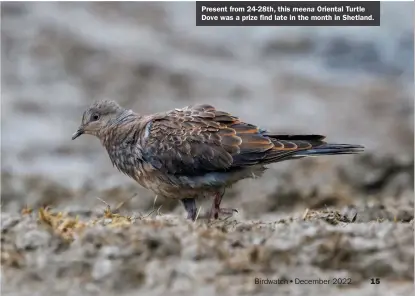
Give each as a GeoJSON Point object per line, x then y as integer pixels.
{"type": "Point", "coordinates": [200, 139]}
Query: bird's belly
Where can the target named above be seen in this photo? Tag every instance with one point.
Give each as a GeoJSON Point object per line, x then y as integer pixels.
{"type": "Point", "coordinates": [179, 187]}
{"type": "Point", "coordinates": [171, 187]}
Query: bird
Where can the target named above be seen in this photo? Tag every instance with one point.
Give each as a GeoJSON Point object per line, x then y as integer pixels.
{"type": "Point", "coordinates": [196, 151]}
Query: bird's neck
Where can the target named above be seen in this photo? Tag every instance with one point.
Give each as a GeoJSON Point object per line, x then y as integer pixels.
{"type": "Point", "coordinates": [120, 130]}
{"type": "Point", "coordinates": [122, 139]}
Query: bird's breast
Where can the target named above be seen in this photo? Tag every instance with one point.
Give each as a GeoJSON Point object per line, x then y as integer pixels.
{"type": "Point", "coordinates": [126, 159]}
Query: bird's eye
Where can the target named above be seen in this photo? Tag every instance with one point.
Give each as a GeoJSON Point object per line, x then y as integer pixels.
{"type": "Point", "coordinates": [95, 117]}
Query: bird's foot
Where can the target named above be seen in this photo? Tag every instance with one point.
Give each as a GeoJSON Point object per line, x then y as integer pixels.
{"type": "Point", "coordinates": [216, 210]}
{"type": "Point", "coordinates": [215, 213]}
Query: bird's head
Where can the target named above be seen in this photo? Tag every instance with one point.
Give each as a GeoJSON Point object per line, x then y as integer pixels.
{"type": "Point", "coordinates": [97, 117]}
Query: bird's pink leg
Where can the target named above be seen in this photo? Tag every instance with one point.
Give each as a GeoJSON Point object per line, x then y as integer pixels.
{"type": "Point", "coordinates": [216, 209]}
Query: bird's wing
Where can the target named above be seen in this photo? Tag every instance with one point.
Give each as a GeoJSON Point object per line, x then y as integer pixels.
{"type": "Point", "coordinates": [199, 139]}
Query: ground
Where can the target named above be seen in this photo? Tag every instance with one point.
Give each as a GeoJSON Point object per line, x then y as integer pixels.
{"type": "Point", "coordinates": [113, 253]}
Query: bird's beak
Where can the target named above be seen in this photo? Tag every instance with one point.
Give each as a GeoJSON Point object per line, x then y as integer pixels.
{"type": "Point", "coordinates": [79, 132]}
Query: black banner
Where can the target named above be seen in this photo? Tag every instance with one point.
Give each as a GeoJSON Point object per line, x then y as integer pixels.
{"type": "Point", "coordinates": [287, 13]}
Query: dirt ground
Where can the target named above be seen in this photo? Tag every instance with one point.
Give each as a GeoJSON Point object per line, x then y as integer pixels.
{"type": "Point", "coordinates": [348, 218]}
{"type": "Point", "coordinates": [158, 254]}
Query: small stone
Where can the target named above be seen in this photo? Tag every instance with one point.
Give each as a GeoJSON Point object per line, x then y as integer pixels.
{"type": "Point", "coordinates": [101, 269]}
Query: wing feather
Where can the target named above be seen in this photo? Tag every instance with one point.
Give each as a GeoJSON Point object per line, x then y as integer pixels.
{"type": "Point", "coordinates": [199, 139]}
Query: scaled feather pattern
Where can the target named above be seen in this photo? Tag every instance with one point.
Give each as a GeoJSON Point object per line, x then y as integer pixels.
{"type": "Point", "coordinates": [194, 151]}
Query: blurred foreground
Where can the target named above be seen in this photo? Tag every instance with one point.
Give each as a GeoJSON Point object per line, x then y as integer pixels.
{"type": "Point", "coordinates": [156, 254]}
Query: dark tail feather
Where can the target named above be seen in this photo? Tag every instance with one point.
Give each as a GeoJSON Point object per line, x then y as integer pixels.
{"type": "Point", "coordinates": [331, 149]}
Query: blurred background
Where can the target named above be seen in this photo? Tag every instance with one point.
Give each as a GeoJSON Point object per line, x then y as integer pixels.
{"type": "Point", "coordinates": [353, 84]}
